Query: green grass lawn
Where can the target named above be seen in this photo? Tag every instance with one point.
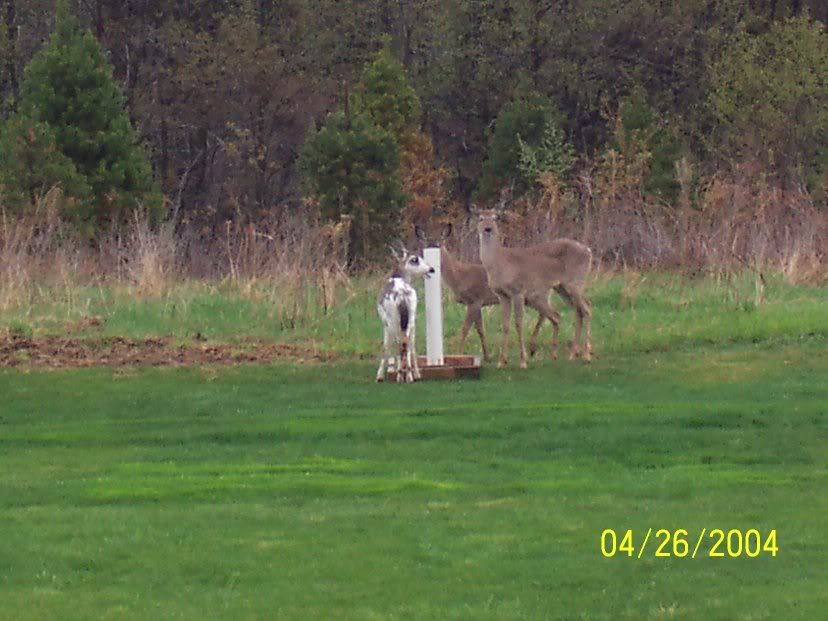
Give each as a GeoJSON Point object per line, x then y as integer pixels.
{"type": "Point", "coordinates": [309, 492]}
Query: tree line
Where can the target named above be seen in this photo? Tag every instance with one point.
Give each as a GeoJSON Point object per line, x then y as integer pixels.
{"type": "Point", "coordinates": [383, 110]}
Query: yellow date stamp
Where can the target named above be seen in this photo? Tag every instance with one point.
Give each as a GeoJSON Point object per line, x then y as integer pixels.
{"type": "Point", "coordinates": [679, 543]}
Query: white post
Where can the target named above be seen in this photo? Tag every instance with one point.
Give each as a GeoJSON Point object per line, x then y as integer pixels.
{"type": "Point", "coordinates": [434, 309]}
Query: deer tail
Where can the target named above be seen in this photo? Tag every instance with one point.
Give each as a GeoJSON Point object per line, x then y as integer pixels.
{"type": "Point", "coordinates": [402, 307]}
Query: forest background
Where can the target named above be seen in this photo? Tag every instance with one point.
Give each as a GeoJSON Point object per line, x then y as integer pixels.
{"type": "Point", "coordinates": [667, 134]}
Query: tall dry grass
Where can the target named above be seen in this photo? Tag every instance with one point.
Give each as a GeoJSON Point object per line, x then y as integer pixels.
{"type": "Point", "coordinates": [299, 265]}
{"type": "Point", "coordinates": [730, 224]}
{"type": "Point", "coordinates": [294, 263]}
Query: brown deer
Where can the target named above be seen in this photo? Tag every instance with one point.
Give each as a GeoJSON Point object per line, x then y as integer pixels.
{"type": "Point", "coordinates": [517, 275]}
{"type": "Point", "coordinates": [469, 283]}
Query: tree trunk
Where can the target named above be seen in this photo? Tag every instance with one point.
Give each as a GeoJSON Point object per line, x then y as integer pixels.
{"type": "Point", "coordinates": [10, 15]}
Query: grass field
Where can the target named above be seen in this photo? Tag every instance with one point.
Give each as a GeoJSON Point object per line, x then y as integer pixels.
{"type": "Point", "coordinates": [634, 312]}
{"type": "Point", "coordinates": [308, 492]}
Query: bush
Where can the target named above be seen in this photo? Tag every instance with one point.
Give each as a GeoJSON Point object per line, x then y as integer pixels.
{"type": "Point", "coordinates": [526, 140]}
{"type": "Point", "coordinates": [769, 100]}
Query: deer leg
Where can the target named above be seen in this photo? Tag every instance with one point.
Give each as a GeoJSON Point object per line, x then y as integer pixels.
{"type": "Point", "coordinates": [413, 353]}
{"type": "Point", "coordinates": [533, 339]}
{"type": "Point", "coordinates": [464, 330]}
{"type": "Point", "coordinates": [519, 303]}
{"type": "Point", "coordinates": [478, 324]}
{"type": "Point", "coordinates": [583, 314]}
{"type": "Point", "coordinates": [586, 317]}
{"type": "Point", "coordinates": [401, 367]}
{"type": "Point", "coordinates": [576, 340]}
{"type": "Point", "coordinates": [569, 297]}
{"type": "Point", "coordinates": [546, 310]}
{"type": "Point", "coordinates": [506, 309]}
{"type": "Point", "coordinates": [386, 351]}
{"type": "Point", "coordinates": [534, 302]}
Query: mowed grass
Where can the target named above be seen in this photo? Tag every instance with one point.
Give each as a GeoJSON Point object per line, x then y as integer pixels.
{"type": "Point", "coordinates": [309, 492]}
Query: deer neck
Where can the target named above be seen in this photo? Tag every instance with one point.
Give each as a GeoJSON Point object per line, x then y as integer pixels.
{"type": "Point", "coordinates": [401, 273]}
{"type": "Point", "coordinates": [490, 250]}
{"type": "Point", "coordinates": [448, 264]}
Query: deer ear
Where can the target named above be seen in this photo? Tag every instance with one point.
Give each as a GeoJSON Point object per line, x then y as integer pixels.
{"type": "Point", "coordinates": [447, 230]}
{"type": "Point", "coordinates": [420, 233]}
{"type": "Point", "coordinates": [395, 253]}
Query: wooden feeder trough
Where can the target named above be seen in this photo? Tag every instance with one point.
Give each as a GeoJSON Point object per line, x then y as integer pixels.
{"type": "Point", "coordinates": [453, 367]}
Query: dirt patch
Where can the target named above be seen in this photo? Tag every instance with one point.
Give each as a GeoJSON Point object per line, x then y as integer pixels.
{"type": "Point", "coordinates": [18, 350]}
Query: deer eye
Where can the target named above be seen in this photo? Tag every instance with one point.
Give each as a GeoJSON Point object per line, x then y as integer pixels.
{"type": "Point", "coordinates": [414, 260]}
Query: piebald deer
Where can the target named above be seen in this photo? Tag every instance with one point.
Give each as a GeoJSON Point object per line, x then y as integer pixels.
{"type": "Point", "coordinates": [518, 274]}
{"type": "Point", "coordinates": [470, 285]}
{"type": "Point", "coordinates": [397, 308]}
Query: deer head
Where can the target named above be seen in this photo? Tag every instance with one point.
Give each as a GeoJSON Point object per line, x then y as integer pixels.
{"type": "Point", "coordinates": [410, 265]}
{"type": "Point", "coordinates": [431, 240]}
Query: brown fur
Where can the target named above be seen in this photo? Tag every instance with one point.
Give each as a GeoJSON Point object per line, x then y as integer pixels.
{"type": "Point", "coordinates": [470, 285]}
{"type": "Point", "coordinates": [518, 275]}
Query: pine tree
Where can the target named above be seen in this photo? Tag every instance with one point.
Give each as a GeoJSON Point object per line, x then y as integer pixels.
{"type": "Point", "coordinates": [31, 165]}
{"type": "Point", "coordinates": [351, 167]}
{"type": "Point", "coordinates": [523, 121]}
{"type": "Point", "coordinates": [68, 86]}
{"type": "Point", "coordinates": [352, 164]}
{"type": "Point", "coordinates": [386, 96]}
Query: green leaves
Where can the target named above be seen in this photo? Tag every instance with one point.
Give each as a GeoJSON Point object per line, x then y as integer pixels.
{"type": "Point", "coordinates": [82, 139]}
{"type": "Point", "coordinates": [351, 165]}
{"type": "Point", "coordinates": [31, 165]}
{"type": "Point", "coordinates": [526, 142]}
{"type": "Point", "coordinates": [553, 155]}
{"type": "Point", "coordinates": [769, 97]}
{"type": "Point", "coordinates": [387, 98]}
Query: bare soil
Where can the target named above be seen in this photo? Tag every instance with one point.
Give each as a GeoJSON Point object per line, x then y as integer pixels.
{"type": "Point", "coordinates": [18, 350]}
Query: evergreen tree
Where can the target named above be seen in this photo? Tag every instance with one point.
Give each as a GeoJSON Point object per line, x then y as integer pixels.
{"type": "Point", "coordinates": [519, 132]}
{"type": "Point", "coordinates": [386, 96]}
{"type": "Point", "coordinates": [31, 165]}
{"type": "Point", "coordinates": [351, 167]}
{"type": "Point", "coordinates": [640, 125]}
{"type": "Point", "coordinates": [68, 87]}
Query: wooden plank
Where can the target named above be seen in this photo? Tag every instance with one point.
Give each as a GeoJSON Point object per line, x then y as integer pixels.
{"type": "Point", "coordinates": [455, 367]}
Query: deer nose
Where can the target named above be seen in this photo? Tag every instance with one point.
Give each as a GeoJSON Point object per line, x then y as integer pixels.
{"type": "Point", "coordinates": [487, 229]}
{"type": "Point", "coordinates": [432, 271]}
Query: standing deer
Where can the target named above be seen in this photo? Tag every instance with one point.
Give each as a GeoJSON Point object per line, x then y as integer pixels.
{"type": "Point", "coordinates": [519, 274]}
{"type": "Point", "coordinates": [397, 308]}
{"type": "Point", "coordinates": [470, 285]}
